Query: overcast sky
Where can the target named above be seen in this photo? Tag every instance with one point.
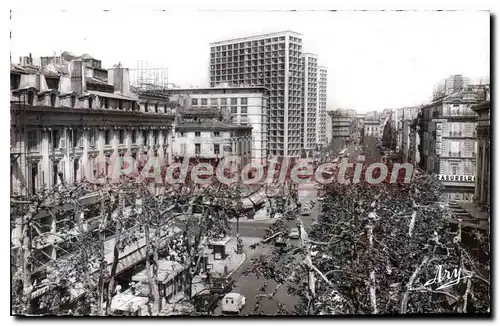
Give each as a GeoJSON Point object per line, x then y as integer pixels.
{"type": "Point", "coordinates": [375, 60]}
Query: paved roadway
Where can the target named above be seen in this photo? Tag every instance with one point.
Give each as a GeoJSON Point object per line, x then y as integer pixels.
{"type": "Point", "coordinates": [249, 285]}
{"type": "Point", "coordinates": [253, 229]}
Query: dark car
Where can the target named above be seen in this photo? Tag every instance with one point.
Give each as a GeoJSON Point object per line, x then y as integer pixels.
{"type": "Point", "coordinates": [220, 284]}
{"type": "Point", "coordinates": [205, 303]}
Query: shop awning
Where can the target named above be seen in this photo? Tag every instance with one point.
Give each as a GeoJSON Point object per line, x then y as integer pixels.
{"type": "Point", "coordinates": [254, 200]}
{"type": "Point", "coordinates": [167, 270]}
{"type": "Point", "coordinates": [136, 252]}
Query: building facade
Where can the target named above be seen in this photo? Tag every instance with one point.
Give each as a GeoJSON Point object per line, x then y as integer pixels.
{"type": "Point", "coordinates": [311, 97]}
{"type": "Point", "coordinates": [273, 61]}
{"type": "Point", "coordinates": [68, 124]}
{"type": "Point", "coordinates": [450, 140]}
{"type": "Point", "coordinates": [402, 119]}
{"type": "Point", "coordinates": [372, 124]}
{"type": "Point", "coordinates": [59, 134]}
{"type": "Point", "coordinates": [201, 134]}
{"type": "Point", "coordinates": [245, 106]}
{"type": "Point", "coordinates": [341, 125]}
{"type": "Point", "coordinates": [414, 147]}
{"type": "Point", "coordinates": [321, 130]}
{"type": "Point", "coordinates": [329, 128]}
{"type": "Point", "coordinates": [482, 196]}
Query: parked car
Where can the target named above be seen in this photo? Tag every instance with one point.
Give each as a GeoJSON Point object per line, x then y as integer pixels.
{"type": "Point", "coordinates": [294, 234]}
{"type": "Point", "coordinates": [278, 215]}
{"type": "Point", "coordinates": [232, 303]}
{"type": "Point", "coordinates": [205, 302]}
{"type": "Point", "coordinates": [220, 284]}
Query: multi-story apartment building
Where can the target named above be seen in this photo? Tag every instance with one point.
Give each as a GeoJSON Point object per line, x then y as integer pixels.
{"type": "Point", "coordinates": [321, 119]}
{"type": "Point", "coordinates": [448, 127]}
{"type": "Point", "coordinates": [329, 128]}
{"type": "Point", "coordinates": [201, 134]}
{"type": "Point", "coordinates": [68, 123]}
{"type": "Point", "coordinates": [246, 106]}
{"type": "Point", "coordinates": [360, 120]}
{"type": "Point", "coordinates": [405, 141]}
{"type": "Point", "coordinates": [414, 147]}
{"type": "Point", "coordinates": [311, 97]}
{"type": "Point", "coordinates": [341, 125]}
{"type": "Point", "coordinates": [273, 61]}
{"type": "Point", "coordinates": [372, 124]}
{"type": "Point", "coordinates": [59, 132]}
{"type": "Point", "coordinates": [482, 196]}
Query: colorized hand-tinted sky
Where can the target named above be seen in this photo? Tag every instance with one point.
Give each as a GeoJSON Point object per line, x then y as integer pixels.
{"type": "Point", "coordinates": [376, 60]}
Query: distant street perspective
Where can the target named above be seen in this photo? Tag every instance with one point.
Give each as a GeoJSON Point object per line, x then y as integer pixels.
{"type": "Point", "coordinates": [274, 182]}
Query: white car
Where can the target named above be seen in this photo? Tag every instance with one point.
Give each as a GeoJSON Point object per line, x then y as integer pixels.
{"type": "Point", "coordinates": [233, 303]}
{"type": "Point", "coordinates": [305, 211]}
{"type": "Point", "coordinates": [278, 215]}
{"type": "Point", "coordinates": [294, 234]}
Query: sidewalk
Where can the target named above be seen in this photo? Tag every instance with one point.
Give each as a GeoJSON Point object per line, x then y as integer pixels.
{"type": "Point", "coordinates": [261, 215]}
{"type": "Point", "coordinates": [233, 261]}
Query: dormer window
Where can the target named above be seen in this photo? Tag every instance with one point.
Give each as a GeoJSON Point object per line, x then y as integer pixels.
{"type": "Point", "coordinates": [146, 107]}
{"type": "Point", "coordinates": [106, 103]}
{"type": "Point", "coordinates": [73, 101]}
{"type": "Point", "coordinates": [156, 107]}
{"type": "Point", "coordinates": [91, 102]}
{"type": "Point", "coordinates": [53, 99]}
{"type": "Point", "coordinates": [120, 104]}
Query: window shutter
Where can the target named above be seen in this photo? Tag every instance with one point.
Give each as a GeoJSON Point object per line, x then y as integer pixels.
{"type": "Point", "coordinates": [445, 129]}
{"type": "Point", "coordinates": [442, 167]}
{"type": "Point", "coordinates": [444, 148]}
{"type": "Point", "coordinates": [469, 129]}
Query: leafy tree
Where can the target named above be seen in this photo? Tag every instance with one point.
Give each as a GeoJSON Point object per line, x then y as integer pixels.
{"type": "Point", "coordinates": [75, 254]}
{"type": "Point", "coordinates": [375, 249]}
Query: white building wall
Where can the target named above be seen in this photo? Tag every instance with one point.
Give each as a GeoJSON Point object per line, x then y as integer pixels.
{"type": "Point", "coordinates": [184, 144]}
{"type": "Point", "coordinates": [270, 60]}
{"type": "Point", "coordinates": [244, 109]}
{"type": "Point", "coordinates": [321, 127]}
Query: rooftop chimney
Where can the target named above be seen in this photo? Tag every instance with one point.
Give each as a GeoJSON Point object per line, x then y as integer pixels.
{"type": "Point", "coordinates": [77, 76]}
{"type": "Point", "coordinates": [120, 78]}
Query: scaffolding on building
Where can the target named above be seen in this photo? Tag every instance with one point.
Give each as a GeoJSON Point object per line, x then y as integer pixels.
{"type": "Point", "coordinates": [150, 79]}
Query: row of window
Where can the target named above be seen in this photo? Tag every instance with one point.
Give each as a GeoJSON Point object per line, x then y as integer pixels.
{"type": "Point", "coordinates": [105, 103]}
{"type": "Point", "coordinates": [197, 149]}
{"type": "Point", "coordinates": [253, 43]}
{"type": "Point", "coordinates": [249, 51]}
{"type": "Point", "coordinates": [198, 134]}
{"type": "Point", "coordinates": [216, 148]}
{"type": "Point", "coordinates": [58, 140]}
{"type": "Point", "coordinates": [223, 101]}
